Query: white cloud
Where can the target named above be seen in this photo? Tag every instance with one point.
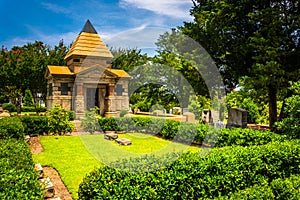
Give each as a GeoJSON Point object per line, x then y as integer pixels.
{"type": "Point", "coordinates": [172, 8]}
{"type": "Point", "coordinates": [142, 37]}
{"type": "Point", "coordinates": [55, 8]}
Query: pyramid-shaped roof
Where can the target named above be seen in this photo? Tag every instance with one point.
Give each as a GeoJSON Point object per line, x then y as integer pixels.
{"type": "Point", "coordinates": [89, 43]}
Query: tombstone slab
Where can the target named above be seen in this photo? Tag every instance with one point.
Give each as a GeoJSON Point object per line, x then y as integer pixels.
{"type": "Point", "coordinates": [190, 117]}
{"type": "Point", "coordinates": [237, 117]}
{"type": "Point", "coordinates": [110, 136]}
{"type": "Point", "coordinates": [123, 141]}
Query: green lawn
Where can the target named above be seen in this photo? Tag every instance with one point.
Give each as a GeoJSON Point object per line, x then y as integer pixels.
{"type": "Point", "coordinates": [75, 156]}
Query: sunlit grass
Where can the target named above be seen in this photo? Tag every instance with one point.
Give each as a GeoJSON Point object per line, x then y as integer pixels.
{"type": "Point", "coordinates": [75, 156]}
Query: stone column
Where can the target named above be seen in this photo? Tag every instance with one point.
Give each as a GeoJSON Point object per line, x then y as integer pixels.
{"type": "Point", "coordinates": [110, 107]}
{"type": "Point", "coordinates": [79, 99]}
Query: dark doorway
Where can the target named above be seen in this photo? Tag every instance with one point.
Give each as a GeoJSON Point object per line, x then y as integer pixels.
{"type": "Point", "coordinates": [92, 98]}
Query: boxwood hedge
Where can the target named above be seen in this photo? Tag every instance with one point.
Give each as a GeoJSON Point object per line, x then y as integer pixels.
{"type": "Point", "coordinates": [188, 132]}
{"type": "Point", "coordinates": [18, 179]}
{"type": "Point", "coordinates": [281, 188]}
{"type": "Point", "coordinates": [11, 127]}
{"type": "Point", "coordinates": [222, 172]}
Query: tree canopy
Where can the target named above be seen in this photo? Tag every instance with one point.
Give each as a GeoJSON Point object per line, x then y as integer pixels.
{"type": "Point", "coordinates": [254, 40]}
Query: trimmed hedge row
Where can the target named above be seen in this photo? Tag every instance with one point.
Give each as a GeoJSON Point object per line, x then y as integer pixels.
{"type": "Point", "coordinates": [17, 127]}
{"type": "Point", "coordinates": [220, 173]}
{"type": "Point", "coordinates": [11, 127]}
{"type": "Point", "coordinates": [18, 179]}
{"type": "Point", "coordinates": [12, 108]}
{"type": "Point", "coordinates": [35, 125]}
{"type": "Point", "coordinates": [281, 188]}
{"type": "Point", "coordinates": [188, 132]}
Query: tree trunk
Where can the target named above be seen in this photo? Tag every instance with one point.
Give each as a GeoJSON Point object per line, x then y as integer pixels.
{"type": "Point", "coordinates": [272, 106]}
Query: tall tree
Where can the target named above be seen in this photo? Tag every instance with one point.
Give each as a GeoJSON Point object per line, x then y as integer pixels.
{"type": "Point", "coordinates": [257, 40]}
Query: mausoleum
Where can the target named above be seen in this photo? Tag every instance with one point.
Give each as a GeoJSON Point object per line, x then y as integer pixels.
{"type": "Point", "coordinates": [88, 79]}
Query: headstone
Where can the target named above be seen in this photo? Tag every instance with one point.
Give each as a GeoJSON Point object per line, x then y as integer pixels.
{"type": "Point", "coordinates": [184, 110]}
{"type": "Point", "coordinates": [206, 116]}
{"type": "Point", "coordinates": [124, 141]}
{"type": "Point", "coordinates": [215, 115]}
{"type": "Point", "coordinates": [190, 117]}
{"type": "Point", "coordinates": [110, 136]}
{"type": "Point", "coordinates": [157, 113]}
{"type": "Point", "coordinates": [170, 111]}
{"type": "Point", "coordinates": [237, 117]}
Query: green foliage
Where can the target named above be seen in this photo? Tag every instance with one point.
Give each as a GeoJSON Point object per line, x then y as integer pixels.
{"type": "Point", "coordinates": [187, 132]}
{"type": "Point", "coordinates": [281, 188]}
{"type": "Point", "coordinates": [11, 127]}
{"type": "Point", "coordinates": [34, 109]}
{"type": "Point", "coordinates": [221, 172]}
{"type": "Point", "coordinates": [240, 100]}
{"type": "Point", "coordinates": [261, 36]}
{"type": "Point", "coordinates": [291, 124]}
{"type": "Point", "coordinates": [58, 121]}
{"type": "Point", "coordinates": [28, 98]}
{"type": "Point", "coordinates": [123, 113]}
{"type": "Point", "coordinates": [90, 120]}
{"type": "Point", "coordinates": [35, 125]}
{"type": "Point", "coordinates": [10, 107]}
{"type": "Point", "coordinates": [24, 68]}
{"type": "Point", "coordinates": [72, 115]}
{"type": "Point", "coordinates": [18, 179]}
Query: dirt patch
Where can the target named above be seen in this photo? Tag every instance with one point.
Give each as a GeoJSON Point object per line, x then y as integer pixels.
{"type": "Point", "coordinates": [59, 187]}
{"type": "Point", "coordinates": [35, 145]}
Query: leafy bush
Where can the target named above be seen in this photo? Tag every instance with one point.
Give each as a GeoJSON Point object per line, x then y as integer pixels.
{"type": "Point", "coordinates": [90, 120]}
{"type": "Point", "coordinates": [11, 127]}
{"type": "Point", "coordinates": [28, 99]}
{"type": "Point", "coordinates": [33, 109]}
{"type": "Point", "coordinates": [10, 107]}
{"type": "Point", "coordinates": [185, 132]}
{"type": "Point", "coordinates": [58, 121]}
{"type": "Point", "coordinates": [123, 113]}
{"type": "Point", "coordinates": [222, 172]}
{"type": "Point", "coordinates": [35, 125]}
{"type": "Point", "coordinates": [291, 124]}
{"type": "Point", "coordinates": [72, 115]}
{"type": "Point", "coordinates": [18, 178]}
{"type": "Point", "coordinates": [281, 188]}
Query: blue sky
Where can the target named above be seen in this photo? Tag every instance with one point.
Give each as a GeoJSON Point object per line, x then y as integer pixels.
{"type": "Point", "coordinates": [121, 23]}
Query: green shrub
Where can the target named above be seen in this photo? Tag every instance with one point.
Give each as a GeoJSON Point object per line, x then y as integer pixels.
{"type": "Point", "coordinates": [281, 188]}
{"type": "Point", "coordinates": [18, 178]}
{"type": "Point", "coordinates": [11, 127]}
{"type": "Point", "coordinates": [108, 124]}
{"type": "Point", "coordinates": [10, 107]}
{"type": "Point", "coordinates": [33, 109]}
{"type": "Point", "coordinates": [35, 125]}
{"type": "Point", "coordinates": [90, 120]}
{"type": "Point", "coordinates": [246, 137]}
{"type": "Point", "coordinates": [185, 132]}
{"type": "Point", "coordinates": [123, 113]}
{"type": "Point", "coordinates": [28, 99]}
{"type": "Point", "coordinates": [170, 129]}
{"type": "Point", "coordinates": [222, 172]}
{"type": "Point", "coordinates": [58, 121]}
{"type": "Point", "coordinates": [72, 115]}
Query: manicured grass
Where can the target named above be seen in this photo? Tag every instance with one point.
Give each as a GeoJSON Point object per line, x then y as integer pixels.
{"type": "Point", "coordinates": [109, 151]}
{"type": "Point", "coordinates": [69, 156]}
{"type": "Point", "coordinates": [75, 156]}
